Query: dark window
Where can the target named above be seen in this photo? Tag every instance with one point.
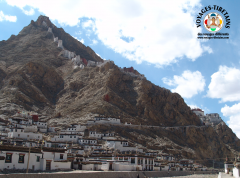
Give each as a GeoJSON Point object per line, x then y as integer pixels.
{"type": "Point", "coordinates": [75, 136]}
{"type": "Point", "coordinates": [61, 156]}
{"type": "Point", "coordinates": [132, 160]}
{"type": "Point", "coordinates": [21, 158]}
{"type": "Point", "coordinates": [8, 158]}
{"type": "Point", "coordinates": [38, 158]}
{"type": "Point", "coordinates": [70, 136]}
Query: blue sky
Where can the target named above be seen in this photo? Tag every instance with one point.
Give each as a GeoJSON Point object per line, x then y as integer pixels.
{"type": "Point", "coordinates": [158, 38]}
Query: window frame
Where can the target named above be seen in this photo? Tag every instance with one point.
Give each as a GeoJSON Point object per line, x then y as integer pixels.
{"type": "Point", "coordinates": [21, 158]}
{"type": "Point", "coordinates": [7, 156]}
{"type": "Point", "coordinates": [38, 159]}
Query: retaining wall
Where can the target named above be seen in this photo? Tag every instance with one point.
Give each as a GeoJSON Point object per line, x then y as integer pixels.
{"type": "Point", "coordinates": [101, 174]}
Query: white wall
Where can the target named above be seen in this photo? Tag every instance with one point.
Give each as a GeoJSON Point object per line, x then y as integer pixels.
{"type": "Point", "coordinates": [92, 167]}
{"type": "Point", "coordinates": [60, 44]}
{"type": "Point", "coordinates": [156, 168]}
{"type": "Point", "coordinates": [105, 121]}
{"type": "Point", "coordinates": [66, 138]}
{"type": "Point", "coordinates": [23, 135]}
{"type": "Point", "coordinates": [51, 129]}
{"type": "Point", "coordinates": [2, 128]}
{"type": "Point", "coordinates": [235, 172]}
{"type": "Point", "coordinates": [41, 124]}
{"type": "Point", "coordinates": [86, 141]}
{"type": "Point", "coordinates": [88, 167]}
{"type": "Point", "coordinates": [95, 134]}
{"type": "Point", "coordinates": [124, 167]}
{"type": "Point", "coordinates": [199, 113]}
{"type": "Point", "coordinates": [28, 128]}
{"type": "Point", "coordinates": [105, 166]}
{"type": "Point", "coordinates": [15, 159]}
{"type": "Point", "coordinates": [60, 165]}
{"type": "Point", "coordinates": [43, 130]}
{"type": "Point", "coordinates": [54, 155]}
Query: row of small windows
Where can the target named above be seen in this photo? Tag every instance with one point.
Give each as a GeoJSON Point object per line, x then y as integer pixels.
{"type": "Point", "coordinates": [20, 158]}
{"type": "Point", "coordinates": [72, 129]}
{"type": "Point", "coordinates": [42, 124]}
{"type": "Point", "coordinates": [86, 141]}
{"type": "Point", "coordinates": [61, 136]}
{"type": "Point", "coordinates": [27, 136]}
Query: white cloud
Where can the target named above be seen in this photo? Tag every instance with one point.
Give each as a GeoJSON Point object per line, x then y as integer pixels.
{"type": "Point", "coordinates": [233, 113]}
{"type": "Point", "coordinates": [82, 40]}
{"type": "Point", "coordinates": [9, 18]}
{"type": "Point", "coordinates": [88, 24]}
{"type": "Point", "coordinates": [225, 84]}
{"type": "Point", "coordinates": [193, 106]}
{"type": "Point", "coordinates": [208, 49]}
{"type": "Point", "coordinates": [188, 84]}
{"type": "Point", "coordinates": [162, 31]}
{"type": "Point", "coordinates": [94, 42]}
{"type": "Point", "coordinates": [28, 12]}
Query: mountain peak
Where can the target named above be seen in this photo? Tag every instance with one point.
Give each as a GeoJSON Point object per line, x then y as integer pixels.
{"type": "Point", "coordinates": [44, 20]}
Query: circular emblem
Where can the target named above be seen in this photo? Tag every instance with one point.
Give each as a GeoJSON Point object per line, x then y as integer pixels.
{"type": "Point", "coordinates": [213, 22]}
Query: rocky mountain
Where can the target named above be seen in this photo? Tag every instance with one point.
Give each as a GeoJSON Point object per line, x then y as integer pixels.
{"type": "Point", "coordinates": [36, 76]}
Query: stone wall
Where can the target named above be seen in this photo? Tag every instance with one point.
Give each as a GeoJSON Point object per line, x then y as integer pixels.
{"type": "Point", "coordinates": [101, 174]}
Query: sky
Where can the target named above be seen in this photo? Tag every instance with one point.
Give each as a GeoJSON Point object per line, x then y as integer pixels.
{"type": "Point", "coordinates": [159, 38]}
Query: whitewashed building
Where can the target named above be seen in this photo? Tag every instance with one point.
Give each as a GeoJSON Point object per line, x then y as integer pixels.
{"type": "Point", "coordinates": [67, 138]}
{"type": "Point", "coordinates": [86, 141]}
{"type": "Point", "coordinates": [19, 133]}
{"type": "Point", "coordinates": [55, 159]}
{"type": "Point", "coordinates": [28, 128]}
{"type": "Point", "coordinates": [91, 63]}
{"type": "Point", "coordinates": [98, 120]}
{"type": "Point", "coordinates": [60, 44]}
{"type": "Point", "coordinates": [17, 158]}
{"type": "Point", "coordinates": [49, 30]}
{"type": "Point", "coordinates": [55, 39]}
{"type": "Point", "coordinates": [75, 129]}
{"type": "Point", "coordinates": [77, 60]}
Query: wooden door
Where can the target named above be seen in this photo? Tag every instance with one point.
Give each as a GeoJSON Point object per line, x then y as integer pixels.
{"type": "Point", "coordinates": [110, 166]}
{"type": "Point", "coordinates": [48, 165]}
{"type": "Point", "coordinates": [80, 167]}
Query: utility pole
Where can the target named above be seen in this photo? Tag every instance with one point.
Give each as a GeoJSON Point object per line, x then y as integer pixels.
{"type": "Point", "coordinates": [28, 158]}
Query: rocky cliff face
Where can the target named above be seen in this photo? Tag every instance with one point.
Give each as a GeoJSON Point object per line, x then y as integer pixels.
{"type": "Point", "coordinates": [35, 77]}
